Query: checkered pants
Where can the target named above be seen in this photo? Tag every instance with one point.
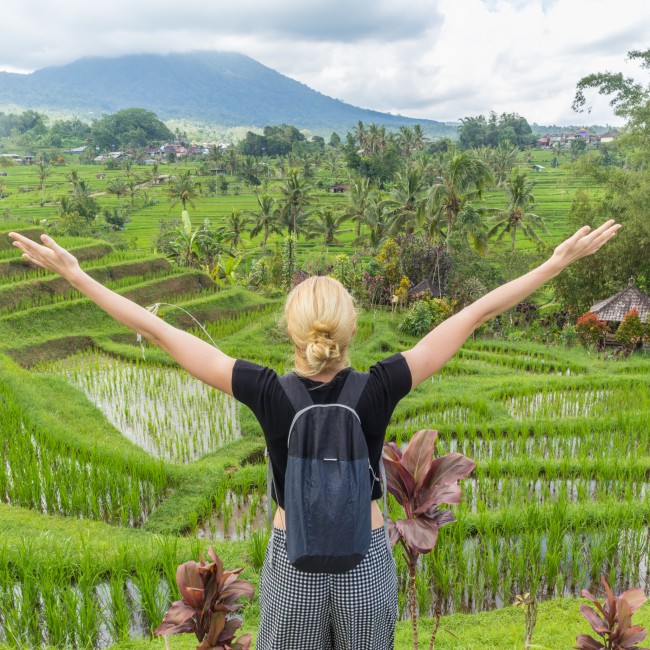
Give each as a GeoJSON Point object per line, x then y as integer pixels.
{"type": "Point", "coordinates": [356, 610]}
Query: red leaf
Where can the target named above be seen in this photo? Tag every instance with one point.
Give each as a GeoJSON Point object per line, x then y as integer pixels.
{"type": "Point", "coordinates": [392, 451]}
{"type": "Point", "coordinates": [420, 535]}
{"type": "Point", "coordinates": [635, 598]}
{"type": "Point", "coordinates": [243, 642]}
{"type": "Point", "coordinates": [393, 533]}
{"type": "Point", "coordinates": [418, 455]}
{"type": "Point", "coordinates": [585, 642]}
{"type": "Point", "coordinates": [235, 591]}
{"type": "Point", "coordinates": [439, 517]}
{"type": "Point", "coordinates": [179, 618]}
{"type": "Point", "coordinates": [598, 625]}
{"type": "Point", "coordinates": [436, 495]}
{"type": "Point", "coordinates": [447, 469]}
{"type": "Point", "coordinates": [586, 594]}
{"type": "Point", "coordinates": [190, 584]}
{"type": "Point", "coordinates": [217, 624]}
{"type": "Point", "coordinates": [632, 636]}
{"type": "Point", "coordinates": [609, 606]}
{"type": "Point", "coordinates": [624, 615]}
{"type": "Point", "coordinates": [399, 481]}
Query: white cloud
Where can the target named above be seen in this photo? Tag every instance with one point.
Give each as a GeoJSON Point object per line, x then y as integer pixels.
{"type": "Point", "coordinates": [441, 59]}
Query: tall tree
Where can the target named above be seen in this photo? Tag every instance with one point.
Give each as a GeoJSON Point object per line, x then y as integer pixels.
{"type": "Point", "coordinates": [358, 198]}
{"type": "Point", "coordinates": [42, 171]}
{"type": "Point", "coordinates": [328, 225]}
{"type": "Point", "coordinates": [517, 215]}
{"type": "Point", "coordinates": [266, 218]}
{"type": "Point", "coordinates": [463, 179]}
{"type": "Point", "coordinates": [182, 189]}
{"type": "Point", "coordinates": [118, 187]}
{"type": "Point", "coordinates": [296, 199]}
{"type": "Point", "coordinates": [236, 225]}
{"type": "Point", "coordinates": [407, 203]}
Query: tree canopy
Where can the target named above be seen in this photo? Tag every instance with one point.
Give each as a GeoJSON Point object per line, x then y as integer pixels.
{"type": "Point", "coordinates": [495, 130]}
{"type": "Point", "coordinates": [131, 127]}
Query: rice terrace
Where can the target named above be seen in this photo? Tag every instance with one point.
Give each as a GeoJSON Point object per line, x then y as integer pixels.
{"type": "Point", "coordinates": [118, 466]}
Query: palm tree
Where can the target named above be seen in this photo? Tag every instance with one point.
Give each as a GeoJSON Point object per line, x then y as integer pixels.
{"type": "Point", "coordinates": [231, 160]}
{"type": "Point", "coordinates": [215, 155]}
{"type": "Point", "coordinates": [407, 203]}
{"type": "Point", "coordinates": [250, 170]}
{"type": "Point", "coordinates": [132, 187]}
{"type": "Point", "coordinates": [361, 193]}
{"type": "Point", "coordinates": [118, 187]}
{"type": "Point", "coordinates": [406, 140]}
{"type": "Point", "coordinates": [42, 171]}
{"type": "Point", "coordinates": [462, 180]}
{"type": "Point", "coordinates": [377, 222]}
{"type": "Point", "coordinates": [66, 205]}
{"type": "Point", "coordinates": [328, 225]}
{"type": "Point", "coordinates": [517, 214]}
{"type": "Point", "coordinates": [236, 225]}
{"type": "Point", "coordinates": [502, 160]}
{"type": "Point", "coordinates": [73, 179]}
{"type": "Point", "coordinates": [153, 176]}
{"type": "Point", "coordinates": [183, 189]}
{"type": "Point", "coordinates": [266, 218]}
{"type": "Point", "coordinates": [360, 135]}
{"type": "Point", "coordinates": [296, 198]}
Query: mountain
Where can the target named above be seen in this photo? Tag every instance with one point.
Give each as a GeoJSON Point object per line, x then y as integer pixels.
{"type": "Point", "coordinates": [216, 87]}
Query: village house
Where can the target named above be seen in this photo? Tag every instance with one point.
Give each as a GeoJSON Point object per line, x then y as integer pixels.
{"type": "Point", "coordinates": [564, 139]}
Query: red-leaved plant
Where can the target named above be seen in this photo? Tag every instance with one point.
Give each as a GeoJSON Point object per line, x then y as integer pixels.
{"type": "Point", "coordinates": [208, 595]}
{"type": "Point", "coordinates": [613, 621]}
{"type": "Point", "coordinates": [421, 483]}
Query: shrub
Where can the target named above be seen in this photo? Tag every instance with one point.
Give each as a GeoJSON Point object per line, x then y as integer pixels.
{"type": "Point", "coordinates": [418, 320]}
{"type": "Point", "coordinates": [590, 329]}
{"type": "Point", "coordinates": [613, 620]}
{"type": "Point", "coordinates": [631, 331]}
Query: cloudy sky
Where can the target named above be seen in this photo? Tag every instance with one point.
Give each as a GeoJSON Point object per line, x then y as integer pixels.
{"type": "Point", "coordinates": [436, 59]}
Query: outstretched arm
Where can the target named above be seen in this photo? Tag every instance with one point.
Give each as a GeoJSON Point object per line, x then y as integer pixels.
{"type": "Point", "coordinates": [199, 358]}
{"type": "Point", "coordinates": [442, 343]}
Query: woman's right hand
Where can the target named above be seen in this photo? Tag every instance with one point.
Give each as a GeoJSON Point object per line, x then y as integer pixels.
{"type": "Point", "coordinates": [51, 256]}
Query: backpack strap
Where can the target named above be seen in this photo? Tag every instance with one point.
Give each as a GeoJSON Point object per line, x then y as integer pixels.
{"type": "Point", "coordinates": [353, 387]}
{"type": "Point", "coordinates": [296, 391]}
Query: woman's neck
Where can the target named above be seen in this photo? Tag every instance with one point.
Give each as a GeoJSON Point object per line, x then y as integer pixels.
{"type": "Point", "coordinates": [321, 376]}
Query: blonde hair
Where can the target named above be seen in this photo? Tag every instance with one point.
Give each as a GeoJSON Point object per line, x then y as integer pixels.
{"type": "Point", "coordinates": [321, 318]}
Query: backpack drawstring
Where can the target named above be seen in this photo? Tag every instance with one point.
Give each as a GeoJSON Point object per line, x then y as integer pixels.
{"type": "Point", "coordinates": [269, 503]}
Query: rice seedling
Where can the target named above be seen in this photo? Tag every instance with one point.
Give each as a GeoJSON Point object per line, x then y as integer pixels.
{"type": "Point", "coordinates": [154, 595]}
{"type": "Point", "coordinates": [257, 543]}
{"type": "Point", "coordinates": [167, 412]}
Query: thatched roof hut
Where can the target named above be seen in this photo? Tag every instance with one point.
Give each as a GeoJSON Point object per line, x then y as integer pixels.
{"type": "Point", "coordinates": [425, 285]}
{"type": "Point", "coordinates": [616, 306]}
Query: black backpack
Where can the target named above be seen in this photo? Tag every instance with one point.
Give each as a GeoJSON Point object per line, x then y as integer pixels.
{"type": "Point", "coordinates": [327, 489]}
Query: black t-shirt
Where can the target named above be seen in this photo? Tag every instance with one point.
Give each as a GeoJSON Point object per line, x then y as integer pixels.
{"type": "Point", "coordinates": [259, 388]}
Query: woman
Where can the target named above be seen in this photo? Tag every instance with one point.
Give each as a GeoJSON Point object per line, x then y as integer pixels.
{"type": "Point", "coordinates": [305, 611]}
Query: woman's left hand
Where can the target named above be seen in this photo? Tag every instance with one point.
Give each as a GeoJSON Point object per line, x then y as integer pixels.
{"type": "Point", "coordinates": [583, 243]}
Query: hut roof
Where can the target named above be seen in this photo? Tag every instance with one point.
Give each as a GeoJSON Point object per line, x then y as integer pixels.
{"type": "Point", "coordinates": [616, 306]}
{"type": "Point", "coordinates": [426, 285]}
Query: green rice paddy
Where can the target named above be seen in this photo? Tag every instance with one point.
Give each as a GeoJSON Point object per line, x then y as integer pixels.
{"type": "Point", "coordinates": [116, 468]}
